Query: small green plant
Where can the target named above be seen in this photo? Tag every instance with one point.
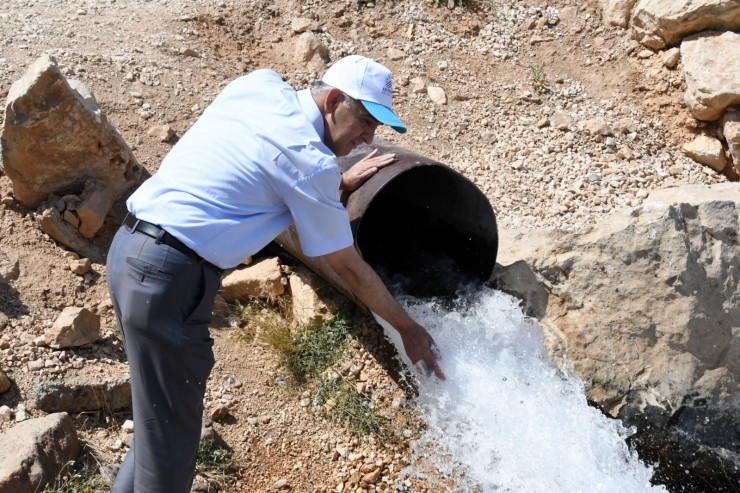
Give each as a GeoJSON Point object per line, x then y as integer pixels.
{"type": "Point", "coordinates": [77, 477]}
{"type": "Point", "coordinates": [116, 331]}
{"type": "Point", "coordinates": [538, 78]}
{"type": "Point", "coordinates": [345, 405]}
{"type": "Point", "coordinates": [215, 463]}
{"type": "Point", "coordinates": [311, 350]}
{"type": "Point", "coordinates": [318, 347]}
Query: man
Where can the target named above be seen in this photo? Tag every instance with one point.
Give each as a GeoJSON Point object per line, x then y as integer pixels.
{"type": "Point", "coordinates": [261, 157]}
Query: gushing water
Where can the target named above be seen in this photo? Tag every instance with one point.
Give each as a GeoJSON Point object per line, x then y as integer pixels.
{"type": "Point", "coordinates": [507, 419]}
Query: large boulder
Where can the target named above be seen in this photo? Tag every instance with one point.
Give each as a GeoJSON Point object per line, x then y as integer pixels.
{"type": "Point", "coordinates": [33, 452]}
{"type": "Point", "coordinates": [660, 23]}
{"type": "Point", "coordinates": [81, 394]}
{"type": "Point", "coordinates": [55, 138]}
{"type": "Point", "coordinates": [645, 308]}
{"type": "Point", "coordinates": [711, 64]}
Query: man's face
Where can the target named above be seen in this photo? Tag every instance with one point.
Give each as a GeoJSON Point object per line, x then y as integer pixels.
{"type": "Point", "coordinates": [348, 127]}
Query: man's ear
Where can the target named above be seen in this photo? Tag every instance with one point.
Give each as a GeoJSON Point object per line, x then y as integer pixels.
{"type": "Point", "coordinates": [333, 99]}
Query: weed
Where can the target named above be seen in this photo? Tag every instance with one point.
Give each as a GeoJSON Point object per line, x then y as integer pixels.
{"type": "Point", "coordinates": [116, 329]}
{"type": "Point", "coordinates": [256, 316]}
{"type": "Point", "coordinates": [308, 351]}
{"type": "Point", "coordinates": [215, 463]}
{"type": "Point", "coordinates": [538, 78]}
{"type": "Point", "coordinates": [345, 405]}
{"type": "Point", "coordinates": [77, 477]}
{"type": "Point", "coordinates": [317, 348]}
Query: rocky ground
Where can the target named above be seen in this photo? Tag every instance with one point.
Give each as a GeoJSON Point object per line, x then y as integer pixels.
{"type": "Point", "coordinates": [556, 117]}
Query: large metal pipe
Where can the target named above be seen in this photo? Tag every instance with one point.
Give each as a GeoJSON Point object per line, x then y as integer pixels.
{"type": "Point", "coordinates": [418, 222]}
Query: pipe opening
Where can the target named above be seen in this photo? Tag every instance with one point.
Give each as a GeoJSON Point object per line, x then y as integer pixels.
{"type": "Point", "coordinates": [429, 230]}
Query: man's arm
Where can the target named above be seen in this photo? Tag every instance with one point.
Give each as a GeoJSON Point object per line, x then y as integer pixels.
{"type": "Point", "coordinates": [367, 286]}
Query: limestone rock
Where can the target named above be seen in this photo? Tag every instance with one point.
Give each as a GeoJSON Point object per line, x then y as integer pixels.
{"type": "Point", "coordinates": [97, 201]}
{"type": "Point", "coordinates": [309, 47]}
{"type": "Point", "coordinates": [707, 151]}
{"type": "Point", "coordinates": [32, 453]}
{"type": "Point", "coordinates": [660, 23]}
{"type": "Point", "coordinates": [301, 24]}
{"type": "Point", "coordinates": [262, 279]}
{"type": "Point", "coordinates": [561, 120]}
{"type": "Point", "coordinates": [80, 395]}
{"type": "Point", "coordinates": [695, 194]}
{"type": "Point", "coordinates": [395, 54]}
{"type": "Point", "coordinates": [731, 131]}
{"type": "Point", "coordinates": [520, 281]}
{"type": "Point", "coordinates": [9, 267]}
{"type": "Point", "coordinates": [617, 12]}
{"type": "Point", "coordinates": [52, 140]}
{"type": "Point", "coordinates": [597, 126]}
{"type": "Point", "coordinates": [313, 299]}
{"type": "Point", "coordinates": [418, 86]}
{"type": "Point", "coordinates": [74, 327]}
{"type": "Point", "coordinates": [80, 266]}
{"type": "Point", "coordinates": [437, 95]}
{"type": "Point", "coordinates": [53, 224]}
{"type": "Point", "coordinates": [671, 57]}
{"type": "Point", "coordinates": [163, 133]}
{"type": "Point", "coordinates": [645, 308]}
{"type": "Point", "coordinates": [711, 63]}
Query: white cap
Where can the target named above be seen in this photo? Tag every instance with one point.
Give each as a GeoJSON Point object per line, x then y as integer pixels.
{"type": "Point", "coordinates": [369, 82]}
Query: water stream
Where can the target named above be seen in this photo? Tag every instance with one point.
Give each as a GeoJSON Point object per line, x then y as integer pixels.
{"type": "Point", "coordinates": [507, 419]}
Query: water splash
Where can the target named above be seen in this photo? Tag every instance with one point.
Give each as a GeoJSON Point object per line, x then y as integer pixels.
{"type": "Point", "coordinates": [507, 419]}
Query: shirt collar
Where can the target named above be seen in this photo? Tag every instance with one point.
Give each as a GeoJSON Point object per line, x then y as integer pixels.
{"type": "Point", "coordinates": [311, 110]}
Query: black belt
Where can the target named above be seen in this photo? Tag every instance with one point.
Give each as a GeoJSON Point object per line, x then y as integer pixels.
{"type": "Point", "coordinates": [162, 236]}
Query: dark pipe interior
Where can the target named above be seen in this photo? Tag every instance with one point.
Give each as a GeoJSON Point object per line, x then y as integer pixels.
{"type": "Point", "coordinates": [428, 231]}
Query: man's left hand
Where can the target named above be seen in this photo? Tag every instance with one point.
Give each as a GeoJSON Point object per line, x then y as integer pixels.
{"type": "Point", "coordinates": [364, 169]}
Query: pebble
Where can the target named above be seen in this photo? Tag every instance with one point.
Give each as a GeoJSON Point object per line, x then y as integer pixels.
{"type": "Point", "coordinates": [20, 413]}
{"type": "Point", "coordinates": [280, 484]}
{"type": "Point", "coordinates": [220, 413]}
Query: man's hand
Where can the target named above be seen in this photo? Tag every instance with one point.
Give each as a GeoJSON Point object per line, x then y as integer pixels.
{"type": "Point", "coordinates": [420, 346]}
{"type": "Point", "coordinates": [367, 286]}
{"type": "Point", "coordinates": [364, 169]}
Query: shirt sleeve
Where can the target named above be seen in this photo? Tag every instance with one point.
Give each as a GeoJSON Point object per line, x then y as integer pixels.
{"type": "Point", "coordinates": [320, 218]}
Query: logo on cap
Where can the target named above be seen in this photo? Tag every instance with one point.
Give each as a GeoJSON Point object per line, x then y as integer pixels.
{"type": "Point", "coordinates": [388, 87]}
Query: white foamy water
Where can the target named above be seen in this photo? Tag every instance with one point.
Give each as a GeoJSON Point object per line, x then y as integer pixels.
{"type": "Point", "coordinates": [507, 419]}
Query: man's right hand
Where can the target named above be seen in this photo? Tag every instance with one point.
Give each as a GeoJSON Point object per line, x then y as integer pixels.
{"type": "Point", "coordinates": [420, 346]}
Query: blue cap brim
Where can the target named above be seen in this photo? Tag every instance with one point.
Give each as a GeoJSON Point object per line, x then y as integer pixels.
{"type": "Point", "coordinates": [385, 116]}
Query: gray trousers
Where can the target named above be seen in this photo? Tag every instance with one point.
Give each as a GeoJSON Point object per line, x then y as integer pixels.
{"type": "Point", "coordinates": [163, 301]}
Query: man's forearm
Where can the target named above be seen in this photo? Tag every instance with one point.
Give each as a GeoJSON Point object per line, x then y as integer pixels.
{"type": "Point", "coordinates": [369, 288]}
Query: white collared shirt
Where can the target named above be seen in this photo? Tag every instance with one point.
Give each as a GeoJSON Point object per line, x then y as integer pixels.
{"type": "Point", "coordinates": [252, 164]}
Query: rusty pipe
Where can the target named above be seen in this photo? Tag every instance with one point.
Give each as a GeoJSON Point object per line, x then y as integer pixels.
{"type": "Point", "coordinates": [418, 222]}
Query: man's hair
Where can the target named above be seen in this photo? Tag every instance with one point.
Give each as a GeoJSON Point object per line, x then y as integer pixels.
{"type": "Point", "coordinates": [320, 88]}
